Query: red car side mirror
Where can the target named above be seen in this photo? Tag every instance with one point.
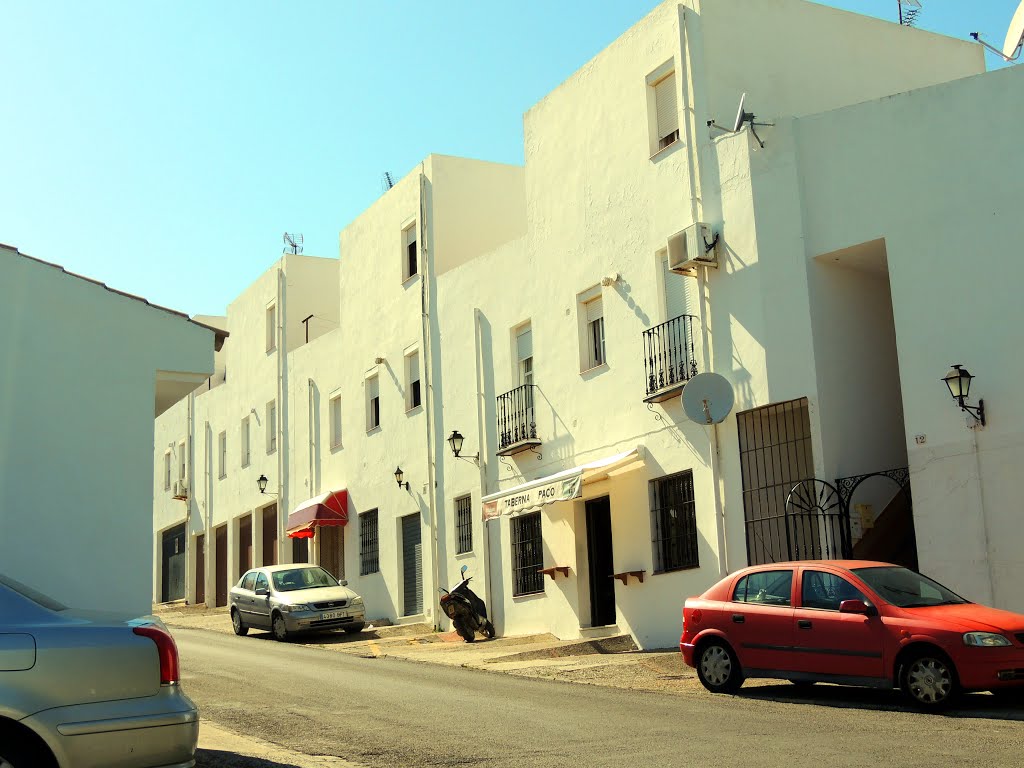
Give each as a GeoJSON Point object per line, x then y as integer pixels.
{"type": "Point", "coordinates": [856, 606]}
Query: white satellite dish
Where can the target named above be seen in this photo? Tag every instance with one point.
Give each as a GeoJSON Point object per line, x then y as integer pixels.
{"type": "Point", "coordinates": [1014, 35]}
{"type": "Point", "coordinates": [741, 115]}
{"type": "Point", "coordinates": [707, 398]}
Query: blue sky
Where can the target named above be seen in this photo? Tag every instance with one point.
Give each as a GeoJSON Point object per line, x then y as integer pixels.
{"type": "Point", "coordinates": [164, 147]}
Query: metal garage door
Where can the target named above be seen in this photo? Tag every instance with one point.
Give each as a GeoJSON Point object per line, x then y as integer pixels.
{"type": "Point", "coordinates": [412, 565]}
{"type": "Point", "coordinates": [173, 570]}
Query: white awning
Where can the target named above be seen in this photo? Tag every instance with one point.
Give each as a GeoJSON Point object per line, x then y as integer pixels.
{"type": "Point", "coordinates": [561, 486]}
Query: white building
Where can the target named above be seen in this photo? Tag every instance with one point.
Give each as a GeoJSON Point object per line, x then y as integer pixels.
{"type": "Point", "coordinates": [544, 327]}
{"type": "Point", "coordinates": [85, 368]}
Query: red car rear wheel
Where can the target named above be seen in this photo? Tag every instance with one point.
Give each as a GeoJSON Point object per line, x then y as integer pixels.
{"type": "Point", "coordinates": [718, 668]}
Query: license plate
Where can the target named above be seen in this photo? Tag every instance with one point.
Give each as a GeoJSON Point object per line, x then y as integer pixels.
{"type": "Point", "coordinates": [331, 615]}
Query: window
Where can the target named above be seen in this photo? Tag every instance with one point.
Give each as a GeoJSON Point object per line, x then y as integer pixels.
{"type": "Point", "coordinates": [372, 403]}
{"type": "Point", "coordinates": [335, 414]}
{"type": "Point", "coordinates": [412, 381]}
{"type": "Point", "coordinates": [826, 591]}
{"type": "Point", "coordinates": [249, 581]}
{"type": "Point", "coordinates": [594, 316]}
{"type": "Point", "coordinates": [665, 114]}
{"type": "Point", "coordinates": [271, 426]}
{"type": "Point", "coordinates": [766, 587]}
{"type": "Point", "coordinates": [674, 523]}
{"type": "Point", "coordinates": [245, 442]}
{"type": "Point", "coordinates": [167, 470]}
{"type": "Point", "coordinates": [369, 546]}
{"type": "Point", "coordinates": [181, 460]}
{"type": "Point", "coordinates": [527, 555]}
{"type": "Point", "coordinates": [409, 255]}
{"type": "Point", "coordinates": [261, 582]}
{"type": "Point", "coordinates": [524, 354]}
{"type": "Point", "coordinates": [222, 452]}
{"type": "Point", "coordinates": [464, 523]}
{"type": "Point", "coordinates": [271, 328]}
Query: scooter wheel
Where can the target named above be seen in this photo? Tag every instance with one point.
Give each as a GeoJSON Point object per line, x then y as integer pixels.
{"type": "Point", "coordinates": [465, 633]}
{"type": "Point", "coordinates": [488, 630]}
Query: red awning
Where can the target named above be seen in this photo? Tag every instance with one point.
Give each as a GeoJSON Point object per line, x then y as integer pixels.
{"type": "Point", "coordinates": [330, 508]}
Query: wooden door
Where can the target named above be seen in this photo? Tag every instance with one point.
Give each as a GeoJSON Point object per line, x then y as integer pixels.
{"type": "Point", "coordinates": [200, 569]}
{"type": "Point", "coordinates": [270, 535]}
{"type": "Point", "coordinates": [221, 565]}
{"type": "Point", "coordinates": [244, 545]}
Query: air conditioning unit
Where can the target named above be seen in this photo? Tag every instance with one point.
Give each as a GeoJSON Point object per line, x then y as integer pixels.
{"type": "Point", "coordinates": [179, 490]}
{"type": "Point", "coordinates": [691, 248]}
{"type": "Point", "coordinates": [183, 485]}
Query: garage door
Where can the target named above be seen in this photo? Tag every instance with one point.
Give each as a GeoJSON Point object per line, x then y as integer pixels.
{"type": "Point", "coordinates": [412, 566]}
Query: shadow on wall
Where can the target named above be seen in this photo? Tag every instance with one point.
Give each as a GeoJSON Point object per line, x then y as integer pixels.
{"type": "Point", "coordinates": [623, 288]}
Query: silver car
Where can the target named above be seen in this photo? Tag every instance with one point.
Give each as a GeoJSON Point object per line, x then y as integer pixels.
{"type": "Point", "coordinates": [289, 599]}
{"type": "Point", "coordinates": [88, 690]}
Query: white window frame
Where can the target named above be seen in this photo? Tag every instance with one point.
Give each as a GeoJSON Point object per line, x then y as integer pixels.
{"type": "Point", "coordinates": [271, 319]}
{"type": "Point", "coordinates": [167, 469]}
{"type": "Point", "coordinates": [222, 453]}
{"type": "Point", "coordinates": [410, 236]}
{"type": "Point", "coordinates": [663, 137]}
{"type": "Point", "coordinates": [334, 418]}
{"type": "Point", "coordinates": [182, 461]}
{"type": "Point", "coordinates": [271, 427]}
{"type": "Point", "coordinates": [590, 358]}
{"type": "Point", "coordinates": [411, 355]}
{"type": "Point", "coordinates": [370, 380]}
{"type": "Point", "coordinates": [523, 365]}
{"type": "Point", "coordinates": [245, 443]}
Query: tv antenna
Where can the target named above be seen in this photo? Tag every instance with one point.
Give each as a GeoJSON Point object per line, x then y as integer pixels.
{"type": "Point", "coordinates": [1014, 37]}
{"type": "Point", "coordinates": [909, 11]}
{"type": "Point", "coordinates": [292, 243]}
{"type": "Point", "coordinates": [707, 398]}
{"type": "Point", "coordinates": [387, 181]}
{"type": "Point", "coordinates": [743, 117]}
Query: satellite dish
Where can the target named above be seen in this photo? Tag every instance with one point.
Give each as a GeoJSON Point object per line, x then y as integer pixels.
{"type": "Point", "coordinates": [707, 398]}
{"type": "Point", "coordinates": [1014, 35]}
{"type": "Point", "coordinates": [741, 115]}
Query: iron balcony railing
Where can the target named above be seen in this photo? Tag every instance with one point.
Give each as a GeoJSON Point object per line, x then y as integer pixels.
{"type": "Point", "coordinates": [516, 420]}
{"type": "Point", "coordinates": [669, 357]}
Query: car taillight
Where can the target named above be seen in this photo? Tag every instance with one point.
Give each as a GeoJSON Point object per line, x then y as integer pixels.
{"type": "Point", "coordinates": [165, 649]}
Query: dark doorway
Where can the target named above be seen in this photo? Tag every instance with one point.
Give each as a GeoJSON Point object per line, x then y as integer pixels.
{"type": "Point", "coordinates": [332, 550]}
{"type": "Point", "coordinates": [412, 566]}
{"type": "Point", "coordinates": [200, 569]}
{"type": "Point", "coordinates": [300, 550]}
{"type": "Point", "coordinates": [244, 545]}
{"type": "Point", "coordinates": [270, 535]}
{"type": "Point", "coordinates": [173, 565]}
{"type": "Point", "coordinates": [599, 555]}
{"type": "Point", "coordinates": [221, 565]}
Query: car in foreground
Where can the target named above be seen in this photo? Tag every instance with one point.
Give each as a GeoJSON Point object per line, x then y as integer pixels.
{"type": "Point", "coordinates": [291, 599]}
{"type": "Point", "coordinates": [88, 690]}
{"type": "Point", "coordinates": [858, 623]}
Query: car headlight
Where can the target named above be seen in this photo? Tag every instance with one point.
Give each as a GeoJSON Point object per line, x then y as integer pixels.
{"type": "Point", "coordinates": [985, 639]}
{"type": "Point", "coordinates": [296, 607]}
{"type": "Point", "coordinates": [356, 601]}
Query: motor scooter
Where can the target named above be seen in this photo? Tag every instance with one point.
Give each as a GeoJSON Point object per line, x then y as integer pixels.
{"type": "Point", "coordinates": [466, 610]}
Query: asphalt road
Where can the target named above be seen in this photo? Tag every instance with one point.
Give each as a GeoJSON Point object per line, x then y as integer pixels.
{"type": "Point", "coordinates": [381, 711]}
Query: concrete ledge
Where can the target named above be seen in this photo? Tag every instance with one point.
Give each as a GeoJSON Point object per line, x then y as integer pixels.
{"type": "Point", "coordinates": [616, 644]}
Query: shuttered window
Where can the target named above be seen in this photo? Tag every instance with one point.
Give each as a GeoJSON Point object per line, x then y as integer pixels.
{"type": "Point", "coordinates": [412, 367]}
{"type": "Point", "coordinates": [680, 292]}
{"type": "Point", "coordinates": [335, 409]}
{"type": "Point", "coordinates": [524, 354]}
{"type": "Point", "coordinates": [464, 523]}
{"type": "Point", "coordinates": [369, 543]}
{"type": "Point", "coordinates": [667, 111]}
{"type": "Point", "coordinates": [372, 403]}
{"type": "Point", "coordinates": [595, 332]}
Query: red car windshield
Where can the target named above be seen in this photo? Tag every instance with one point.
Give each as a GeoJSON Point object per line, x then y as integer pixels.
{"type": "Point", "coordinates": [905, 588]}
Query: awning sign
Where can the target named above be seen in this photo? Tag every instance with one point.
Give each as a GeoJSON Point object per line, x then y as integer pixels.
{"type": "Point", "coordinates": [531, 499]}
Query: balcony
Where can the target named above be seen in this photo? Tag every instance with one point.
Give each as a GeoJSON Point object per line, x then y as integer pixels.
{"type": "Point", "coordinates": [517, 424]}
{"type": "Point", "coordinates": [669, 357]}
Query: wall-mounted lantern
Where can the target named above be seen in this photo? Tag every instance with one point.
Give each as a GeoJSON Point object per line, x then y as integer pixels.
{"type": "Point", "coordinates": [958, 380]}
{"type": "Point", "coordinates": [400, 478]}
{"type": "Point", "coordinates": [455, 440]}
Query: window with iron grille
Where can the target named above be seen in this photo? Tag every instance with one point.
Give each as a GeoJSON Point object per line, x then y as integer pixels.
{"type": "Point", "coordinates": [464, 523]}
{"type": "Point", "coordinates": [369, 543]}
{"type": "Point", "coordinates": [527, 555]}
{"type": "Point", "coordinates": [674, 523]}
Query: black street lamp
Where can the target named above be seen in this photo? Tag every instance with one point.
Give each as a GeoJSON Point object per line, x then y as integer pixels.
{"type": "Point", "coordinates": [262, 483]}
{"type": "Point", "coordinates": [399, 477]}
{"type": "Point", "coordinates": [455, 440]}
{"type": "Point", "coordinates": [958, 381]}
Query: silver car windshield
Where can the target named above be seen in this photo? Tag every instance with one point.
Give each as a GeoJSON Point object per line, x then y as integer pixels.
{"type": "Point", "coordinates": [30, 594]}
{"type": "Point", "coordinates": [302, 578]}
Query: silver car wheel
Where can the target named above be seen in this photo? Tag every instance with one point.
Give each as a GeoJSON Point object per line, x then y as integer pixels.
{"type": "Point", "coordinates": [716, 664]}
{"type": "Point", "coordinates": [4, 763]}
{"type": "Point", "coordinates": [280, 630]}
{"type": "Point", "coordinates": [928, 680]}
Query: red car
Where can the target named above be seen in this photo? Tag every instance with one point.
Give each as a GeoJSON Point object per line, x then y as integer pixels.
{"type": "Point", "coordinates": [852, 622]}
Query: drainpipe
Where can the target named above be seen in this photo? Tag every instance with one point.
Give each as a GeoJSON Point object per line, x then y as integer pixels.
{"type": "Point", "coordinates": [696, 193]}
{"type": "Point", "coordinates": [481, 410]}
{"type": "Point", "coordinates": [282, 410]}
{"type": "Point", "coordinates": [428, 393]}
{"type": "Point", "coordinates": [208, 515]}
{"type": "Point", "coordinates": [190, 453]}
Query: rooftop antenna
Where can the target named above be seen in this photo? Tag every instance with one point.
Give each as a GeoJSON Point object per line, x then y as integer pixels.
{"type": "Point", "coordinates": [292, 243]}
{"type": "Point", "coordinates": [742, 117]}
{"type": "Point", "coordinates": [1014, 37]}
{"type": "Point", "coordinates": [387, 181]}
{"type": "Point", "coordinates": [909, 11]}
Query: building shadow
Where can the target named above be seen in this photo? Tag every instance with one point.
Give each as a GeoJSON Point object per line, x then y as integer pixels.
{"type": "Point", "coordinates": [218, 758]}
